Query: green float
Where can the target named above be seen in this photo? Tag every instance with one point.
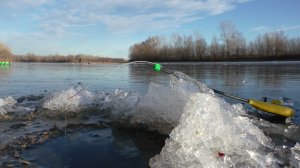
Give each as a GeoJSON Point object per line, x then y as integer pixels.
{"type": "Point", "coordinates": [4, 63]}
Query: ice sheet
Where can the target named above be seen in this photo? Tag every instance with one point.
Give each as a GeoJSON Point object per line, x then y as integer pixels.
{"type": "Point", "coordinates": [6, 104]}
{"type": "Point", "coordinates": [68, 100]}
{"type": "Point", "coordinates": [213, 133]}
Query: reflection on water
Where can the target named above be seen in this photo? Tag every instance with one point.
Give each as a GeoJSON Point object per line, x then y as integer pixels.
{"type": "Point", "coordinates": [274, 80]}
{"type": "Point", "coordinates": [224, 74]}
{"type": "Point", "coordinates": [37, 78]}
{"type": "Point", "coordinates": [141, 75]}
{"type": "Point", "coordinates": [272, 75]}
{"type": "Point", "coordinates": [5, 71]}
{"type": "Point", "coordinates": [248, 80]}
{"type": "Point", "coordinates": [245, 79]}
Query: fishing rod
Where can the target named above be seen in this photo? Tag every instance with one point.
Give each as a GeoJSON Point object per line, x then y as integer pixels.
{"type": "Point", "coordinates": [259, 105]}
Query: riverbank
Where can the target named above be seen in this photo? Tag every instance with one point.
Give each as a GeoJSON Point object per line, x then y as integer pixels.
{"type": "Point", "coordinates": [237, 59]}
{"type": "Point", "coordinates": [80, 58]}
{"type": "Point", "coordinates": [95, 60]}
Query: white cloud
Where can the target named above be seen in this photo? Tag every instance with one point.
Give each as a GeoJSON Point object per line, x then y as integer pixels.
{"type": "Point", "coordinates": [23, 4]}
{"type": "Point", "coordinates": [21, 43]}
{"type": "Point", "coordinates": [85, 19]}
{"type": "Point", "coordinates": [119, 15]}
{"type": "Point", "coordinates": [131, 15]}
{"type": "Point", "coordinates": [264, 29]}
{"type": "Point", "coordinates": [288, 28]}
{"type": "Point", "coordinates": [260, 29]}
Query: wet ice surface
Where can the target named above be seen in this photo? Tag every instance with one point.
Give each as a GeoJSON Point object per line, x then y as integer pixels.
{"type": "Point", "coordinates": [204, 130]}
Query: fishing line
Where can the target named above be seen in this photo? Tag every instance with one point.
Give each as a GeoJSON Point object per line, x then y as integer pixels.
{"type": "Point", "coordinates": [65, 126]}
{"type": "Point", "coordinates": [92, 83]}
{"type": "Point", "coordinates": [157, 67]}
{"type": "Point", "coordinates": [259, 105]}
{"type": "Point", "coordinates": [273, 108]}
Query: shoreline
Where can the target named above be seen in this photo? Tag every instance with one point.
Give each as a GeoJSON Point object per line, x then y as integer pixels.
{"type": "Point", "coordinates": [170, 62]}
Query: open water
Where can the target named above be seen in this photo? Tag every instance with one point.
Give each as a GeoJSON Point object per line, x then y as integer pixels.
{"type": "Point", "coordinates": [133, 116]}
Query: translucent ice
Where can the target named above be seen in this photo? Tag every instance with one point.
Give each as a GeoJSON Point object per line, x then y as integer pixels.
{"type": "Point", "coordinates": [160, 109]}
{"type": "Point", "coordinates": [210, 132]}
{"type": "Point", "coordinates": [295, 157]}
{"type": "Point", "coordinates": [6, 104]}
{"type": "Point", "coordinates": [68, 100]}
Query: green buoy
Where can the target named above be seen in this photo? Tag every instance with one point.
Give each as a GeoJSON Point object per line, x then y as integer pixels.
{"type": "Point", "coordinates": [4, 63]}
{"type": "Point", "coordinates": [157, 67]}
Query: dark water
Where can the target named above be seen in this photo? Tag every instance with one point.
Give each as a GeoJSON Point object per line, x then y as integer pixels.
{"type": "Point", "coordinates": [104, 147]}
{"type": "Point", "coordinates": [88, 141]}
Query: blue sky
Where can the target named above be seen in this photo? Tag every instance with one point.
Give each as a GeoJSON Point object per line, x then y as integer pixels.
{"type": "Point", "coordinates": [109, 27]}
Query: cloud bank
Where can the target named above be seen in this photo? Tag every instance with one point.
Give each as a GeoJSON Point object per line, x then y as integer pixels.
{"type": "Point", "coordinates": [116, 15]}
{"type": "Point", "coordinates": [73, 19]}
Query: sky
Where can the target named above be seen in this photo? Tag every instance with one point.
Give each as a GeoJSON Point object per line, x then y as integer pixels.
{"type": "Point", "coordinates": [108, 28]}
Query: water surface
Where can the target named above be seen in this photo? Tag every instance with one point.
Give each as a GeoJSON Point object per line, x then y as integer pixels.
{"type": "Point", "coordinates": [81, 132]}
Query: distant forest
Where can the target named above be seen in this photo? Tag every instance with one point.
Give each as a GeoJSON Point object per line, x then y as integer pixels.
{"type": "Point", "coordinates": [79, 58]}
{"type": "Point", "coordinates": [6, 55]}
{"type": "Point", "coordinates": [231, 45]}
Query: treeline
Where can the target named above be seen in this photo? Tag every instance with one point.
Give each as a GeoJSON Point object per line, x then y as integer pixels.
{"type": "Point", "coordinates": [5, 53]}
{"type": "Point", "coordinates": [231, 45]}
{"type": "Point", "coordinates": [79, 58]}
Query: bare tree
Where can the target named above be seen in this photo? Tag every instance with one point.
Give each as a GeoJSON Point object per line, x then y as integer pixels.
{"type": "Point", "coordinates": [234, 42]}
{"type": "Point", "coordinates": [200, 47]}
{"type": "Point", "coordinates": [188, 48]}
{"type": "Point", "coordinates": [259, 48]}
{"type": "Point", "coordinates": [227, 29]}
{"type": "Point", "coordinates": [214, 49]}
{"type": "Point", "coordinates": [5, 53]}
{"type": "Point", "coordinates": [293, 47]}
{"type": "Point", "coordinates": [270, 46]}
{"type": "Point", "coordinates": [280, 44]}
{"type": "Point", "coordinates": [274, 44]}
